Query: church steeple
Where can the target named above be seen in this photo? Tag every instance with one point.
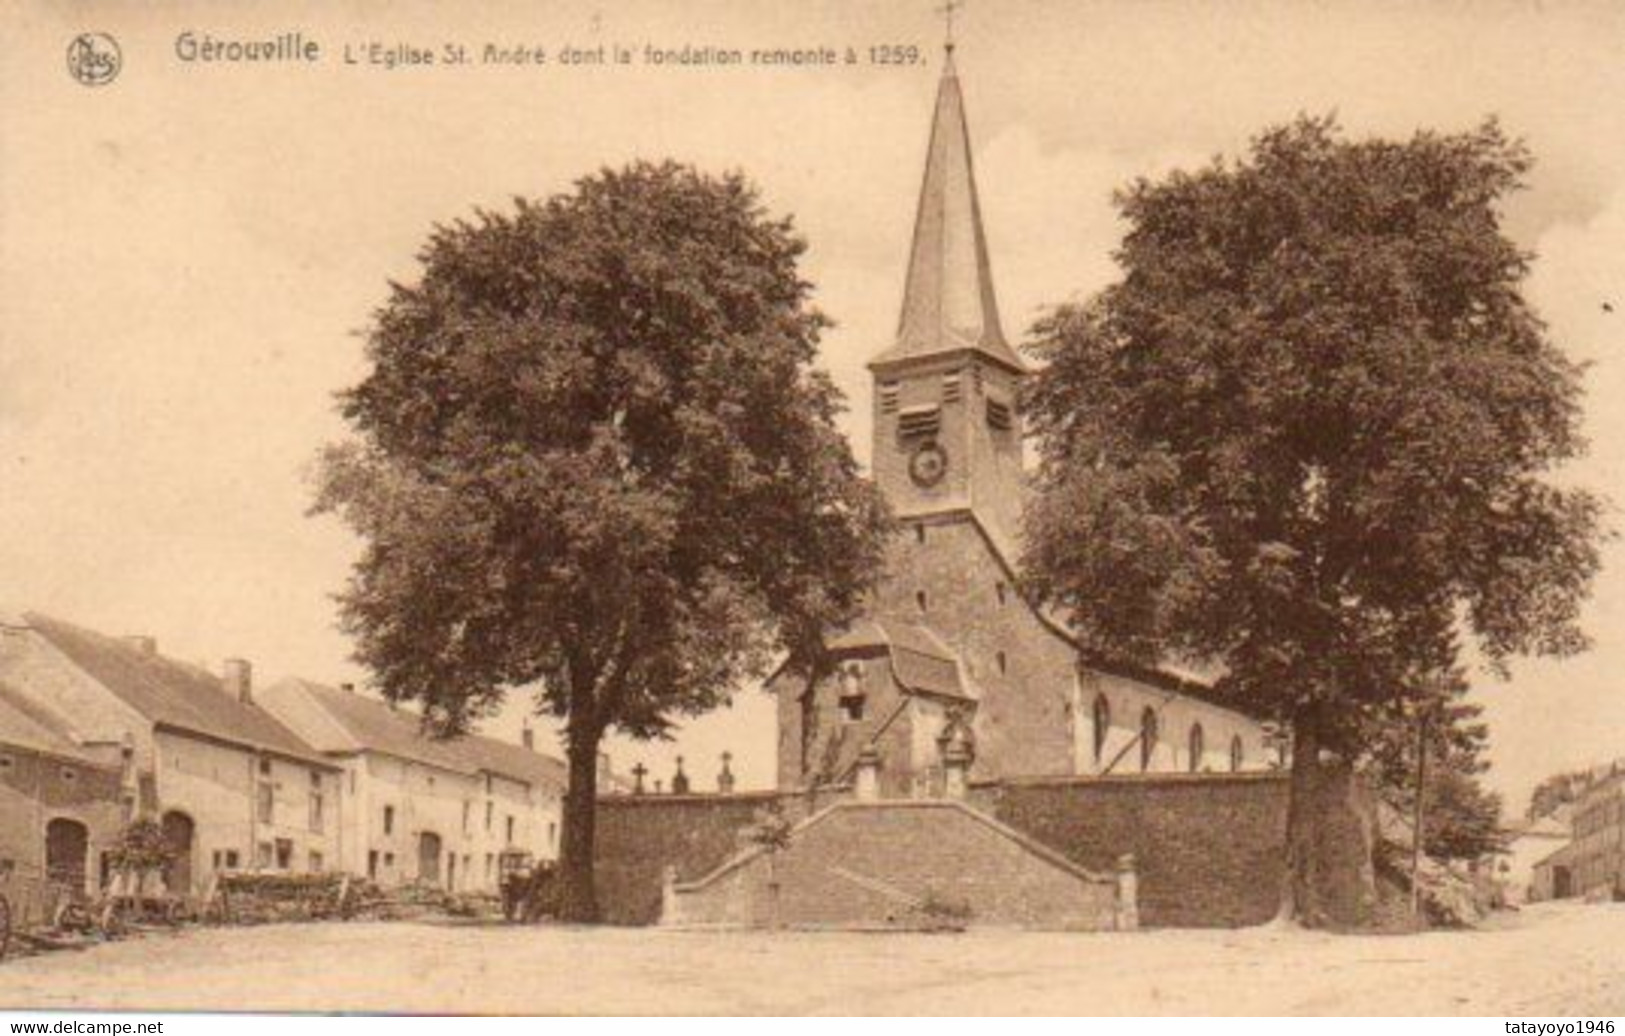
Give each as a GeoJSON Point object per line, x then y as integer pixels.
{"type": "Point", "coordinates": [947, 436]}
{"type": "Point", "coordinates": [948, 300]}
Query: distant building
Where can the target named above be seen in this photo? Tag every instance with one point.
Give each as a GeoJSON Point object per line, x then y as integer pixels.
{"type": "Point", "coordinates": [231, 786]}
{"type": "Point", "coordinates": [422, 810]}
{"type": "Point", "coordinates": [1530, 842]}
{"type": "Point", "coordinates": [1597, 861]}
{"type": "Point", "coordinates": [61, 807]}
{"type": "Point", "coordinates": [949, 634]}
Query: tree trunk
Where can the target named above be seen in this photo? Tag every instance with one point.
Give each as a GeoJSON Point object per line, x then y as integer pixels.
{"type": "Point", "coordinates": [1329, 879]}
{"type": "Point", "coordinates": [578, 899]}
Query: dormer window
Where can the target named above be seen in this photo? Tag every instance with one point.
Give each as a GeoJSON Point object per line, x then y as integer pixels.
{"type": "Point", "coordinates": [999, 416]}
{"type": "Point", "coordinates": [919, 422]}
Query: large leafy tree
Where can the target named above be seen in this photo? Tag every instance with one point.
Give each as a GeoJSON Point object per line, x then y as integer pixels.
{"type": "Point", "coordinates": [592, 459]}
{"type": "Point", "coordinates": [1308, 436]}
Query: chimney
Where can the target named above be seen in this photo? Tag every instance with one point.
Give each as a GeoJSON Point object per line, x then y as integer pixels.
{"type": "Point", "coordinates": [143, 643]}
{"type": "Point", "coordinates": [527, 737]}
{"type": "Point", "coordinates": [238, 676]}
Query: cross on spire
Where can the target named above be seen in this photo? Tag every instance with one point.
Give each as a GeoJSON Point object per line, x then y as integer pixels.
{"type": "Point", "coordinates": [947, 11]}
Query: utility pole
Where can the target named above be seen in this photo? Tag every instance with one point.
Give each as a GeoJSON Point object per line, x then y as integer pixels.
{"type": "Point", "coordinates": [1419, 813]}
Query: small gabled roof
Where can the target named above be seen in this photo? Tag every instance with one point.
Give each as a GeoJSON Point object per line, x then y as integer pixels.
{"type": "Point", "coordinates": [23, 724]}
{"type": "Point", "coordinates": [169, 693]}
{"type": "Point", "coordinates": [921, 661]}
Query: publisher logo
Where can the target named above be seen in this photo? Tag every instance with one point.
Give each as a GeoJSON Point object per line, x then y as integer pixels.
{"type": "Point", "coordinates": [94, 58]}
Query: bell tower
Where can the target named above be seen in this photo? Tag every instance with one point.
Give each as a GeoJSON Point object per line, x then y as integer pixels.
{"type": "Point", "coordinates": [947, 435]}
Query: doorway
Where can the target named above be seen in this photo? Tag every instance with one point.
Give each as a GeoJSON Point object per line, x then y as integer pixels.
{"type": "Point", "coordinates": [178, 838]}
{"type": "Point", "coordinates": [67, 850]}
{"type": "Point", "coordinates": [429, 858]}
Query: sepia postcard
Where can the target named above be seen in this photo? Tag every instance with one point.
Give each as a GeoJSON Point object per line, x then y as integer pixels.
{"type": "Point", "coordinates": [855, 507]}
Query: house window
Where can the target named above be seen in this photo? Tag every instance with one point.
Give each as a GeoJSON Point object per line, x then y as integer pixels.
{"type": "Point", "coordinates": [1196, 747]}
{"type": "Point", "coordinates": [265, 802]}
{"type": "Point", "coordinates": [1237, 753]}
{"type": "Point", "coordinates": [372, 864]}
{"type": "Point", "coordinates": [1148, 737]}
{"type": "Point", "coordinates": [6, 762]}
{"type": "Point", "coordinates": [233, 860]}
{"type": "Point", "coordinates": [264, 855]}
{"type": "Point", "coordinates": [919, 533]}
{"type": "Point", "coordinates": [265, 767]}
{"type": "Point", "coordinates": [315, 862]}
{"type": "Point", "coordinates": [510, 829]}
{"type": "Point", "coordinates": [468, 817]}
{"type": "Point", "coordinates": [389, 820]}
{"type": "Point", "coordinates": [490, 814]}
{"type": "Point", "coordinates": [284, 854]}
{"type": "Point", "coordinates": [998, 592]}
{"type": "Point", "coordinates": [317, 801]}
{"type": "Point", "coordinates": [490, 865]}
{"type": "Point", "coordinates": [919, 600]}
{"type": "Point", "coordinates": [1103, 722]}
{"type": "Point", "coordinates": [552, 834]}
{"type": "Point", "coordinates": [389, 860]}
{"type": "Point", "coordinates": [1002, 662]}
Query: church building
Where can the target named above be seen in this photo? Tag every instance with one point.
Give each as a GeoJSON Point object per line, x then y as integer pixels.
{"type": "Point", "coordinates": [950, 650]}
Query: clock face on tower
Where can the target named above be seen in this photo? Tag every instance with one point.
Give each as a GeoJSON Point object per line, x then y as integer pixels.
{"type": "Point", "coordinates": [927, 464]}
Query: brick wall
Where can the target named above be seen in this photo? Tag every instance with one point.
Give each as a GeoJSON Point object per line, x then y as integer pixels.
{"type": "Point", "coordinates": [1209, 848]}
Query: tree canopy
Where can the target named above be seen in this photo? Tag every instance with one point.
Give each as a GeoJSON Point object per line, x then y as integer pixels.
{"type": "Point", "coordinates": [1309, 434]}
{"type": "Point", "coordinates": [593, 458]}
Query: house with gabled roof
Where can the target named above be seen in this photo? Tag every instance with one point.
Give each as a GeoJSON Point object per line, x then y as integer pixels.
{"type": "Point", "coordinates": [61, 808]}
{"type": "Point", "coordinates": [420, 809]}
{"type": "Point", "coordinates": [232, 786]}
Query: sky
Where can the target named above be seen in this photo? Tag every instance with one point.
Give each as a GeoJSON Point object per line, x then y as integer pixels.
{"type": "Point", "coordinates": [188, 252]}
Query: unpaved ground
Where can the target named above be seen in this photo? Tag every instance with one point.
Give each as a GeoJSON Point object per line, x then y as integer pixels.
{"type": "Point", "coordinates": [1553, 960]}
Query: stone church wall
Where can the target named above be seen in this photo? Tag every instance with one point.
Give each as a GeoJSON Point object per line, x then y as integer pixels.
{"type": "Point", "coordinates": [1208, 849]}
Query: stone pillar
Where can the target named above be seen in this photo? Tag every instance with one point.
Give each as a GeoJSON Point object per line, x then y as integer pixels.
{"type": "Point", "coordinates": [670, 911]}
{"type": "Point", "coordinates": [955, 772]}
{"type": "Point", "coordinates": [868, 779]}
{"type": "Point", "coordinates": [1128, 894]}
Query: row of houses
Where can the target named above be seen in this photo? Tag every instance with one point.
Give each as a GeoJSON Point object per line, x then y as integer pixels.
{"type": "Point", "coordinates": [97, 730]}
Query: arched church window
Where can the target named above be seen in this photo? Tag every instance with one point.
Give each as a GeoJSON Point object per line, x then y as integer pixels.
{"type": "Point", "coordinates": [1237, 753]}
{"type": "Point", "coordinates": [1103, 722]}
{"type": "Point", "coordinates": [1197, 746]}
{"type": "Point", "coordinates": [1148, 737]}
{"type": "Point", "coordinates": [999, 416]}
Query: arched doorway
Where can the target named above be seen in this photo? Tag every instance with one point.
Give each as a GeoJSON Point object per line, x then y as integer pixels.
{"type": "Point", "coordinates": [67, 851]}
{"type": "Point", "coordinates": [178, 837]}
{"type": "Point", "coordinates": [429, 858]}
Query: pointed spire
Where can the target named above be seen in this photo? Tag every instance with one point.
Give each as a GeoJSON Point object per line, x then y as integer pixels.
{"type": "Point", "coordinates": [948, 301]}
